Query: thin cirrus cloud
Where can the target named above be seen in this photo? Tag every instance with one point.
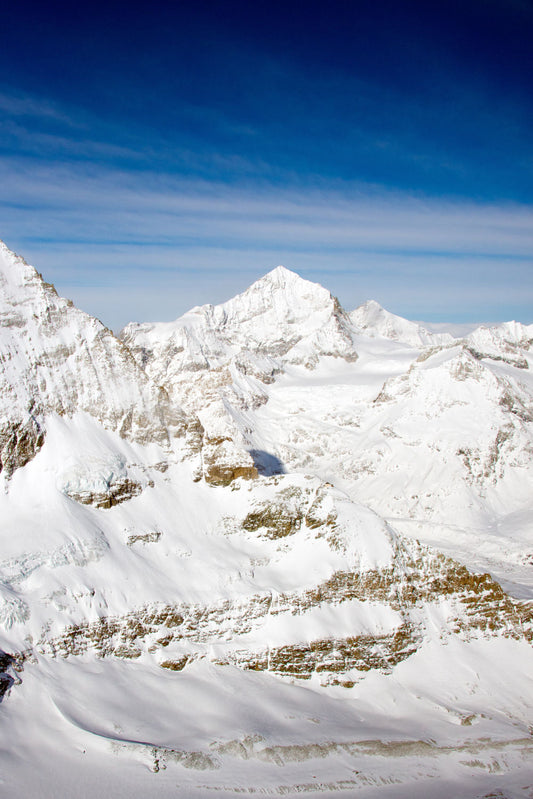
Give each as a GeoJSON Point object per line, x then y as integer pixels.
{"type": "Point", "coordinates": [135, 222]}
{"type": "Point", "coordinates": [288, 123]}
{"type": "Point", "coordinates": [163, 209]}
{"type": "Point", "coordinates": [145, 246]}
{"type": "Point", "coordinates": [22, 105]}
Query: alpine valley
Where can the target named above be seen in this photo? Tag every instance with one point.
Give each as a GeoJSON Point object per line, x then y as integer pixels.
{"type": "Point", "coordinates": [270, 548]}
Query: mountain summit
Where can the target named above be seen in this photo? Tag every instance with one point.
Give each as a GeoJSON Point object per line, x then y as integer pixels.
{"type": "Point", "coordinates": [281, 296]}
{"type": "Point", "coordinates": [280, 315]}
{"type": "Point", "coordinates": [376, 321]}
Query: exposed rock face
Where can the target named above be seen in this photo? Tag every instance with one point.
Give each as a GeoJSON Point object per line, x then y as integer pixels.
{"type": "Point", "coordinates": [223, 463]}
{"type": "Point", "coordinates": [117, 492]}
{"type": "Point", "coordinates": [144, 538]}
{"type": "Point", "coordinates": [334, 656]}
{"type": "Point", "coordinates": [418, 583]}
{"type": "Point", "coordinates": [218, 475]}
{"type": "Point", "coordinates": [19, 443]}
{"type": "Point", "coordinates": [6, 678]}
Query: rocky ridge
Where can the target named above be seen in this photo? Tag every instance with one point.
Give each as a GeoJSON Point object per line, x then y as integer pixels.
{"type": "Point", "coordinates": [57, 359]}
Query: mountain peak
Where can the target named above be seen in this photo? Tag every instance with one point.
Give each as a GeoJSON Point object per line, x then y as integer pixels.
{"type": "Point", "coordinates": [278, 298]}
{"type": "Point", "coordinates": [283, 287]}
{"type": "Point", "coordinates": [25, 295]}
{"type": "Point", "coordinates": [285, 279]}
{"type": "Point", "coordinates": [376, 320]}
{"type": "Point", "coordinates": [280, 315]}
{"type": "Point", "coordinates": [56, 359]}
{"type": "Point", "coordinates": [282, 274]}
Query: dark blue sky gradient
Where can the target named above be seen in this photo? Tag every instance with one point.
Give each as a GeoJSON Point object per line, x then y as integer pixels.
{"type": "Point", "coordinates": [436, 97]}
{"type": "Point", "coordinates": [429, 100]}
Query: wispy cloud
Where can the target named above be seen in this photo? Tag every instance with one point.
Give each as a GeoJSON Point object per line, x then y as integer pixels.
{"type": "Point", "coordinates": [148, 239]}
{"type": "Point", "coordinates": [139, 226]}
{"type": "Point", "coordinates": [26, 105]}
{"type": "Point", "coordinates": [106, 208]}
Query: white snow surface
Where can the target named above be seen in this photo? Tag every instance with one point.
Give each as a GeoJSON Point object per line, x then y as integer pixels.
{"type": "Point", "coordinates": [156, 610]}
{"type": "Point", "coordinates": [376, 321]}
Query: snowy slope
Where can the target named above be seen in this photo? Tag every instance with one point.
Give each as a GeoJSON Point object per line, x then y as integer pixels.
{"type": "Point", "coordinates": [267, 635]}
{"type": "Point", "coordinates": [57, 359]}
{"type": "Point", "coordinates": [199, 592]}
{"type": "Point", "coordinates": [440, 444]}
{"type": "Point", "coordinates": [510, 342]}
{"type": "Point", "coordinates": [376, 321]}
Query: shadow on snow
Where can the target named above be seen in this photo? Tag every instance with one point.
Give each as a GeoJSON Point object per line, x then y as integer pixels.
{"type": "Point", "coordinates": [266, 463]}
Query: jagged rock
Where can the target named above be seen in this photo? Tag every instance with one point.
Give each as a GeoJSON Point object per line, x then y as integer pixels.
{"type": "Point", "coordinates": [117, 492]}
{"type": "Point", "coordinates": [223, 462]}
{"type": "Point", "coordinates": [144, 538]}
{"type": "Point", "coordinates": [175, 665]}
{"type": "Point", "coordinates": [19, 443]}
{"type": "Point", "coordinates": [333, 655]}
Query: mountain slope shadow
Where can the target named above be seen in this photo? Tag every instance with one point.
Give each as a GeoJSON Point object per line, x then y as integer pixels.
{"type": "Point", "coordinates": [6, 680]}
{"type": "Point", "coordinates": [266, 463]}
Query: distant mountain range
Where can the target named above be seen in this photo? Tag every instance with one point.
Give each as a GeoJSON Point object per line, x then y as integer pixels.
{"type": "Point", "coordinates": [271, 547]}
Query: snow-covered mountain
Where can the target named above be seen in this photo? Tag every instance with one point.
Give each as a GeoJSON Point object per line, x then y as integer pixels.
{"type": "Point", "coordinates": [215, 361]}
{"type": "Point", "coordinates": [59, 360]}
{"type": "Point", "coordinates": [376, 321]}
{"type": "Point", "coordinates": [234, 547]}
{"type": "Point", "coordinates": [280, 316]}
{"type": "Point", "coordinates": [401, 418]}
{"type": "Point", "coordinates": [509, 342]}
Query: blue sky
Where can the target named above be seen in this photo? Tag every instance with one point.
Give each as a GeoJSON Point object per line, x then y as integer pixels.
{"type": "Point", "coordinates": [153, 159]}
